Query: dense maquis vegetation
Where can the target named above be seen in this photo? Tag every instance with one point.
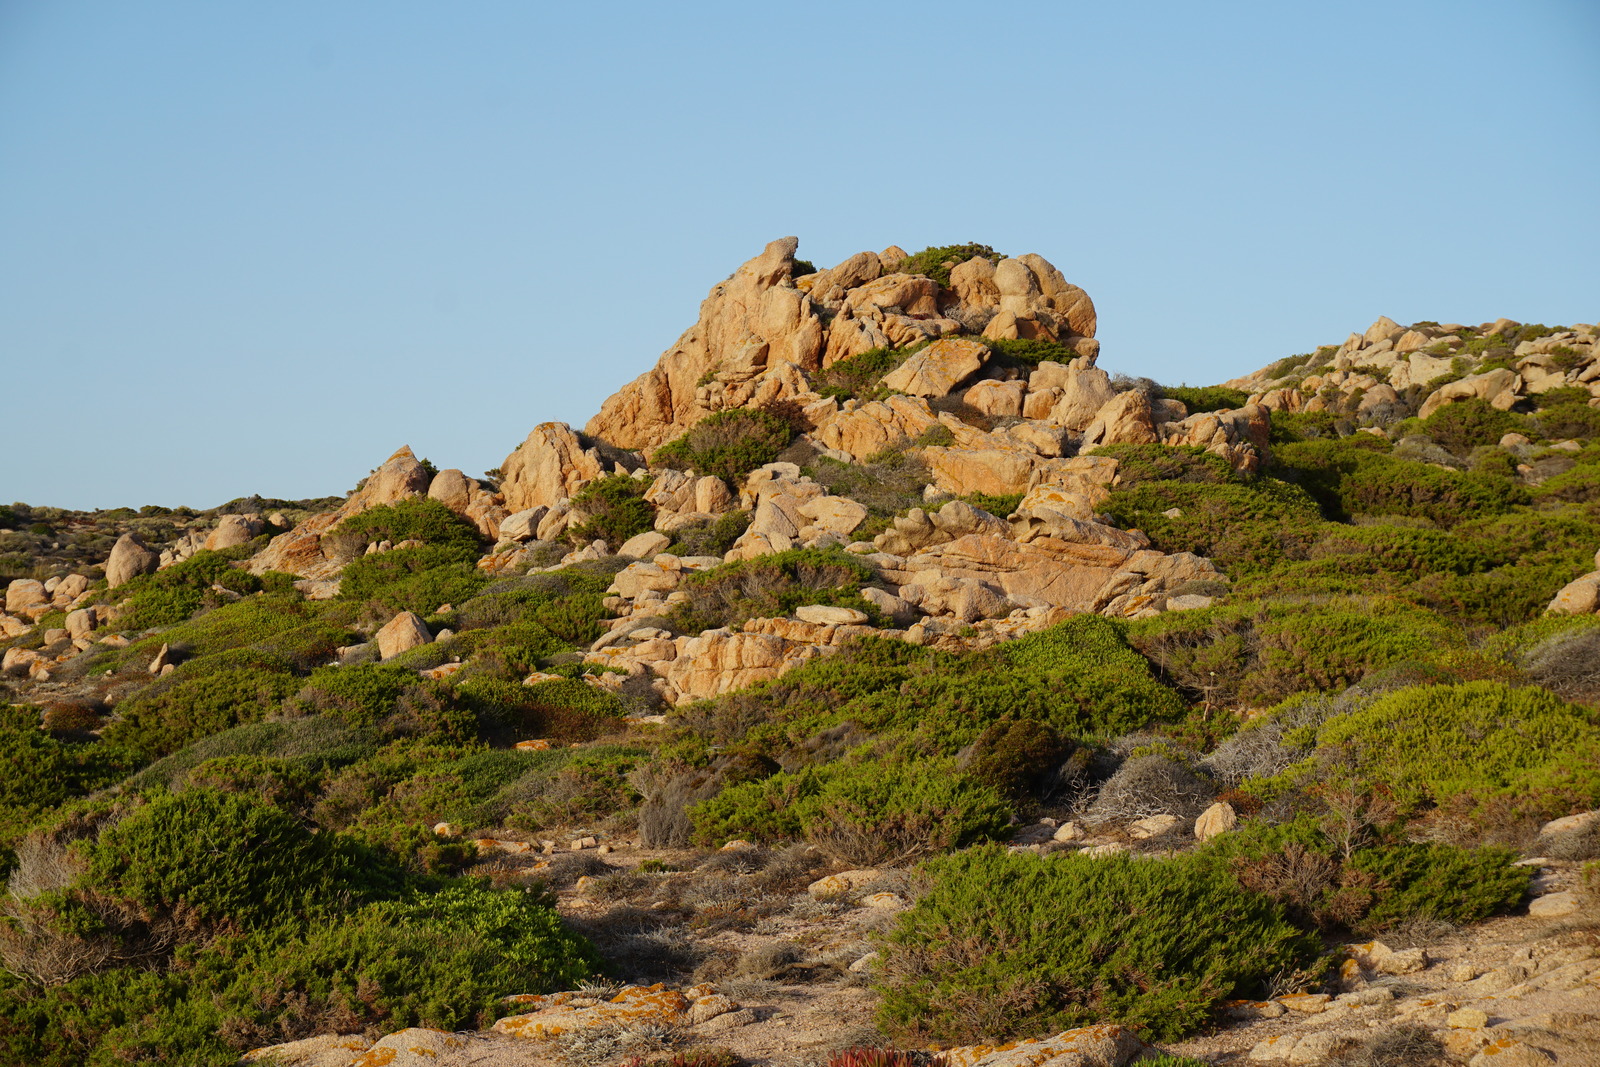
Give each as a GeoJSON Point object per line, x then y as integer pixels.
{"type": "Point", "coordinates": [213, 858]}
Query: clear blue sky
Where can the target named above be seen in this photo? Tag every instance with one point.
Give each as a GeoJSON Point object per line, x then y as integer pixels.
{"type": "Point", "coordinates": [256, 247]}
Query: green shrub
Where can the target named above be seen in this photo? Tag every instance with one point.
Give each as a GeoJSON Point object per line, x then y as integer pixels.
{"type": "Point", "coordinates": [416, 518]}
{"type": "Point", "coordinates": [887, 484]}
{"type": "Point", "coordinates": [861, 375]}
{"type": "Point", "coordinates": [999, 506]}
{"type": "Point", "coordinates": [1580, 485]}
{"type": "Point", "coordinates": [728, 444]}
{"type": "Point", "coordinates": [712, 538]}
{"type": "Point", "coordinates": [165, 717]}
{"type": "Point", "coordinates": [1017, 757]}
{"type": "Point", "coordinates": [313, 744]}
{"type": "Point", "coordinates": [936, 261]}
{"type": "Point", "coordinates": [1198, 398]}
{"type": "Point", "coordinates": [411, 579]}
{"type": "Point", "coordinates": [876, 812]}
{"type": "Point", "coordinates": [1569, 420]}
{"type": "Point", "coordinates": [1078, 678]}
{"type": "Point", "coordinates": [1243, 528]}
{"type": "Point", "coordinates": [767, 809]}
{"type": "Point", "coordinates": [224, 860]}
{"type": "Point", "coordinates": [1025, 353]}
{"type": "Point", "coordinates": [443, 960]}
{"type": "Point", "coordinates": [1335, 877]}
{"type": "Point", "coordinates": [39, 772]}
{"type": "Point", "coordinates": [285, 627]}
{"type": "Point", "coordinates": [1465, 424]}
{"type": "Point", "coordinates": [1402, 487]}
{"type": "Point", "coordinates": [361, 695]}
{"type": "Point", "coordinates": [1164, 463]}
{"type": "Point", "coordinates": [613, 509]}
{"type": "Point", "coordinates": [1155, 944]}
{"type": "Point", "coordinates": [1474, 742]}
{"type": "Point", "coordinates": [566, 710]}
{"type": "Point", "coordinates": [886, 813]}
{"type": "Point", "coordinates": [1261, 653]}
{"type": "Point", "coordinates": [1081, 677]}
{"type": "Point", "coordinates": [172, 595]}
{"type": "Point", "coordinates": [1453, 885]}
{"type": "Point", "coordinates": [772, 586]}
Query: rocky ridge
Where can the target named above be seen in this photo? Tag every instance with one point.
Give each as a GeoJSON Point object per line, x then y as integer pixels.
{"type": "Point", "coordinates": [945, 572]}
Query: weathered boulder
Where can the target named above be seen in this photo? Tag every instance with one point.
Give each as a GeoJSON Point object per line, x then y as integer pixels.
{"type": "Point", "coordinates": [301, 551]}
{"type": "Point", "coordinates": [549, 466]}
{"type": "Point", "coordinates": [129, 558]}
{"type": "Point", "coordinates": [80, 623]}
{"type": "Point", "coordinates": [1581, 596]}
{"type": "Point", "coordinates": [997, 398]}
{"type": "Point", "coordinates": [964, 598]}
{"type": "Point", "coordinates": [827, 615]}
{"type": "Point", "coordinates": [414, 1046]}
{"type": "Point", "coordinates": [523, 525]}
{"type": "Point", "coordinates": [830, 514]}
{"type": "Point", "coordinates": [234, 530]}
{"type": "Point", "coordinates": [919, 529]}
{"type": "Point", "coordinates": [1385, 329]}
{"type": "Point", "coordinates": [830, 286]}
{"type": "Point", "coordinates": [1084, 392]}
{"type": "Point", "coordinates": [326, 1050]}
{"type": "Point", "coordinates": [453, 489]}
{"type": "Point", "coordinates": [939, 369]}
{"type": "Point", "coordinates": [403, 632]}
{"type": "Point", "coordinates": [27, 597]}
{"type": "Point", "coordinates": [1219, 818]}
{"type": "Point", "coordinates": [712, 496]}
{"type": "Point", "coordinates": [645, 545]}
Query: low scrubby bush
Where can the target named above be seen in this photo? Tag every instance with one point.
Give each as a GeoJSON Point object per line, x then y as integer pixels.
{"type": "Point", "coordinates": [1468, 423]}
{"type": "Point", "coordinates": [772, 586]}
{"type": "Point", "coordinates": [1198, 398]}
{"type": "Point", "coordinates": [1472, 744]}
{"type": "Point", "coordinates": [165, 717]}
{"type": "Point", "coordinates": [860, 376]}
{"type": "Point", "coordinates": [728, 444]}
{"type": "Point", "coordinates": [410, 579]}
{"type": "Point", "coordinates": [936, 261]}
{"type": "Point", "coordinates": [414, 519]}
{"type": "Point", "coordinates": [225, 861]}
{"type": "Point", "coordinates": [711, 538]}
{"type": "Point", "coordinates": [1263, 652]}
{"type": "Point", "coordinates": [1343, 883]}
{"type": "Point", "coordinates": [612, 509]}
{"type": "Point", "coordinates": [861, 814]}
{"type": "Point", "coordinates": [172, 595]}
{"type": "Point", "coordinates": [1155, 944]}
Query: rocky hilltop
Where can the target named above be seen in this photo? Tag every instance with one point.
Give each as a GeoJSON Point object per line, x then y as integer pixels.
{"type": "Point", "coordinates": [877, 667]}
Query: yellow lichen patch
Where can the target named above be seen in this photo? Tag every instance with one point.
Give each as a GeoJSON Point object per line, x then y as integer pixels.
{"type": "Point", "coordinates": [561, 1013]}
{"type": "Point", "coordinates": [378, 1057]}
{"type": "Point", "coordinates": [1104, 1043]}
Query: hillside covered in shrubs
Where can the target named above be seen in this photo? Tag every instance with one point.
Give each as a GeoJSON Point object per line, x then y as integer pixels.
{"type": "Point", "coordinates": [877, 643]}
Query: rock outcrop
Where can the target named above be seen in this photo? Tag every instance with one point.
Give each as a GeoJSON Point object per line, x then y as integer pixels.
{"type": "Point", "coordinates": [301, 551]}
{"type": "Point", "coordinates": [763, 331]}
